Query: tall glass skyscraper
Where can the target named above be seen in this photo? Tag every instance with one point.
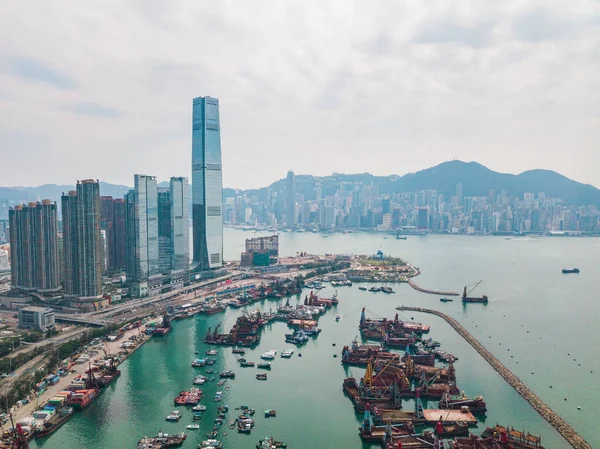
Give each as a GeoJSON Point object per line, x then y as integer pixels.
{"type": "Point", "coordinates": [290, 200]}
{"type": "Point", "coordinates": [207, 184]}
{"type": "Point", "coordinates": [180, 224]}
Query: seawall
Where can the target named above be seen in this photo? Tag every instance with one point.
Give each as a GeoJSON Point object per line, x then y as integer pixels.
{"type": "Point", "coordinates": [572, 437]}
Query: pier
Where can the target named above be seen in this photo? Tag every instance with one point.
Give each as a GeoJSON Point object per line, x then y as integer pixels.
{"type": "Point", "coordinates": [569, 434]}
{"type": "Point", "coordinates": [431, 292]}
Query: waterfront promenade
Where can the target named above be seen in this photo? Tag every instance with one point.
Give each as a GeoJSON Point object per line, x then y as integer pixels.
{"type": "Point", "coordinates": [573, 438]}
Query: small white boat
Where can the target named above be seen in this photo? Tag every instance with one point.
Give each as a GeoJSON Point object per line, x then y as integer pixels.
{"type": "Point", "coordinates": [211, 352]}
{"type": "Point", "coordinates": [199, 408]}
{"type": "Point", "coordinates": [287, 353]}
{"type": "Point", "coordinates": [174, 416]}
{"type": "Point", "coordinates": [269, 355]}
{"type": "Point", "coordinates": [199, 380]}
{"type": "Point", "coordinates": [193, 426]}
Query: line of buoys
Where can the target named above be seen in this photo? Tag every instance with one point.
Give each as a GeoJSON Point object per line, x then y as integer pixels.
{"type": "Point", "coordinates": [573, 438]}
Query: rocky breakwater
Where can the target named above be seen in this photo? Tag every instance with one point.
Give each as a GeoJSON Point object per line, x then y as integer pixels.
{"type": "Point", "coordinates": [573, 438]}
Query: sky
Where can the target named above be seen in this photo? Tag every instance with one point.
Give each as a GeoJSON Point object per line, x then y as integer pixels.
{"type": "Point", "coordinates": [104, 89]}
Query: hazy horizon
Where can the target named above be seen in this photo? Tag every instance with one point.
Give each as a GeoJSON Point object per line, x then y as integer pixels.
{"type": "Point", "coordinates": [105, 90]}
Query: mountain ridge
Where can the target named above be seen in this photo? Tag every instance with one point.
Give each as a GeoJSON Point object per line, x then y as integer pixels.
{"type": "Point", "coordinates": [476, 178]}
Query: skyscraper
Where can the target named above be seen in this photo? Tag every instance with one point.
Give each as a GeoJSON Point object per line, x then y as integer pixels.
{"type": "Point", "coordinates": [34, 247]}
{"type": "Point", "coordinates": [142, 233]}
{"type": "Point", "coordinates": [207, 184]}
{"type": "Point", "coordinates": [290, 200]}
{"type": "Point", "coordinates": [117, 255]}
{"type": "Point", "coordinates": [180, 224]}
{"type": "Point", "coordinates": [69, 243]}
{"type": "Point", "coordinates": [164, 230]}
{"type": "Point", "coordinates": [89, 263]}
{"type": "Point", "coordinates": [459, 192]}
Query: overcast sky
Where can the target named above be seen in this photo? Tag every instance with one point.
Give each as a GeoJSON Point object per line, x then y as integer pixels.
{"type": "Point", "coordinates": [104, 89]}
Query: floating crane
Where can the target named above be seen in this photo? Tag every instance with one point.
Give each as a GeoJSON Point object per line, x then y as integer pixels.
{"type": "Point", "coordinates": [466, 298]}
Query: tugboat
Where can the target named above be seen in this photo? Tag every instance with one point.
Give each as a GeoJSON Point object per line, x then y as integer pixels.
{"type": "Point", "coordinates": [162, 441]}
{"type": "Point", "coordinates": [570, 271]}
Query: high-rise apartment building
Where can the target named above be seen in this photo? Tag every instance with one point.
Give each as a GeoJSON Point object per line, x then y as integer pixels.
{"type": "Point", "coordinates": [69, 243]}
{"type": "Point", "coordinates": [89, 262]}
{"type": "Point", "coordinates": [207, 184]}
{"type": "Point", "coordinates": [34, 247]}
{"type": "Point", "coordinates": [165, 230]}
{"type": "Point", "coordinates": [112, 221]}
{"type": "Point", "coordinates": [290, 200]}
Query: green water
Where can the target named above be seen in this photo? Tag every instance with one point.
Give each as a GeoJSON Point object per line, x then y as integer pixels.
{"type": "Point", "coordinates": [527, 293]}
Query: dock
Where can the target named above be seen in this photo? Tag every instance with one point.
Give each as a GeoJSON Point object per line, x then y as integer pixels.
{"type": "Point", "coordinates": [431, 292]}
{"type": "Point", "coordinates": [433, 416]}
{"type": "Point", "coordinates": [573, 438]}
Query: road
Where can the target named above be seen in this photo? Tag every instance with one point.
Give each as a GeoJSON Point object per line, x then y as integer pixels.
{"type": "Point", "coordinates": [8, 382]}
{"type": "Point", "coordinates": [61, 338]}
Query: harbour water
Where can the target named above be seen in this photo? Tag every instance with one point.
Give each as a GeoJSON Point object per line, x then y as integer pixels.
{"type": "Point", "coordinates": [541, 324]}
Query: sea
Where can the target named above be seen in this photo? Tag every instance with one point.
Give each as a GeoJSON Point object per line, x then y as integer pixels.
{"type": "Point", "coordinates": [542, 324]}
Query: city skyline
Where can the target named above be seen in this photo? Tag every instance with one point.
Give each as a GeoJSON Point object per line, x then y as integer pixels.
{"type": "Point", "coordinates": [509, 86]}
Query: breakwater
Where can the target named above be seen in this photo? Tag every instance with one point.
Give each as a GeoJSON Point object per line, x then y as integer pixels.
{"type": "Point", "coordinates": [573, 438]}
{"type": "Point", "coordinates": [431, 292]}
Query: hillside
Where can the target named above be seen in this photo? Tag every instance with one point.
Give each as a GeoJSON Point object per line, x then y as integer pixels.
{"type": "Point", "coordinates": [477, 180]}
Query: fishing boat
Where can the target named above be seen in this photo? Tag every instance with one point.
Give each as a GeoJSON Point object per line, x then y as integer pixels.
{"type": "Point", "coordinates": [227, 375]}
{"type": "Point", "coordinates": [193, 426]}
{"type": "Point", "coordinates": [570, 271]}
{"type": "Point", "coordinates": [269, 355]}
{"type": "Point", "coordinates": [52, 424]}
{"type": "Point", "coordinates": [238, 351]}
{"type": "Point", "coordinates": [261, 376]}
{"type": "Point", "coordinates": [162, 440]}
{"type": "Point", "coordinates": [299, 337]}
{"type": "Point", "coordinates": [211, 352]}
{"type": "Point", "coordinates": [173, 416]}
{"type": "Point", "coordinates": [446, 299]}
{"type": "Point", "coordinates": [198, 363]}
{"type": "Point", "coordinates": [265, 365]}
{"type": "Point", "coordinates": [364, 289]}
{"type": "Point", "coordinates": [287, 353]}
{"type": "Point", "coordinates": [246, 364]}
{"type": "Point", "coordinates": [374, 289]}
{"type": "Point", "coordinates": [269, 413]}
{"type": "Point", "coordinates": [244, 427]}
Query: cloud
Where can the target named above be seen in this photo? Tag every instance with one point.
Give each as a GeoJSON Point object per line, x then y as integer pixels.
{"type": "Point", "coordinates": [94, 109]}
{"type": "Point", "coordinates": [32, 70]}
{"type": "Point", "coordinates": [385, 87]}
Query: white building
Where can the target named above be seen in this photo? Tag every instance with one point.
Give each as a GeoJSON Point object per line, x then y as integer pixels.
{"type": "Point", "coordinates": [38, 318]}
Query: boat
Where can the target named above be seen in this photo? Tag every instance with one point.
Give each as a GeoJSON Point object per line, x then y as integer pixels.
{"type": "Point", "coordinates": [400, 237]}
{"type": "Point", "coordinates": [261, 376]}
{"type": "Point", "coordinates": [299, 337]}
{"type": "Point", "coordinates": [197, 416]}
{"type": "Point", "coordinates": [269, 413]}
{"type": "Point", "coordinates": [458, 429]}
{"type": "Point", "coordinates": [238, 351]}
{"type": "Point", "coordinates": [193, 426]}
{"type": "Point", "coordinates": [374, 289]}
{"type": "Point", "coordinates": [446, 299]}
{"type": "Point", "coordinates": [199, 408]}
{"type": "Point", "coordinates": [269, 355]}
{"type": "Point", "coordinates": [210, 371]}
{"type": "Point", "coordinates": [173, 416]}
{"type": "Point", "coordinates": [54, 422]}
{"type": "Point", "coordinates": [466, 298]}
{"type": "Point", "coordinates": [82, 398]}
{"type": "Point", "coordinates": [337, 318]}
{"type": "Point", "coordinates": [221, 382]}
{"type": "Point", "coordinates": [198, 363]}
{"type": "Point", "coordinates": [270, 443]}
{"type": "Point", "coordinates": [211, 352]}
{"type": "Point", "coordinates": [265, 365]}
{"type": "Point", "coordinates": [210, 361]}
{"type": "Point", "coordinates": [364, 289]}
{"type": "Point", "coordinates": [570, 271]}
{"type": "Point", "coordinates": [211, 443]}
{"type": "Point", "coordinates": [162, 440]}
{"type": "Point", "coordinates": [287, 353]}
{"type": "Point", "coordinates": [199, 380]}
{"type": "Point", "coordinates": [246, 364]}
{"type": "Point", "coordinates": [227, 375]}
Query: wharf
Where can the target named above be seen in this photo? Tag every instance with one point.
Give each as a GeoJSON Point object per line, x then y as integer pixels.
{"type": "Point", "coordinates": [569, 434]}
{"type": "Point", "coordinates": [433, 416]}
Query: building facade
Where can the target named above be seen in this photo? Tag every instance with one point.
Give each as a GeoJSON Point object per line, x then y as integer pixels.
{"type": "Point", "coordinates": [34, 243]}
{"type": "Point", "coordinates": [37, 318]}
{"type": "Point", "coordinates": [180, 223]}
{"type": "Point", "coordinates": [207, 184]}
{"type": "Point", "coordinates": [89, 254]}
{"type": "Point", "coordinates": [70, 243]}
{"type": "Point", "coordinates": [290, 200]}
